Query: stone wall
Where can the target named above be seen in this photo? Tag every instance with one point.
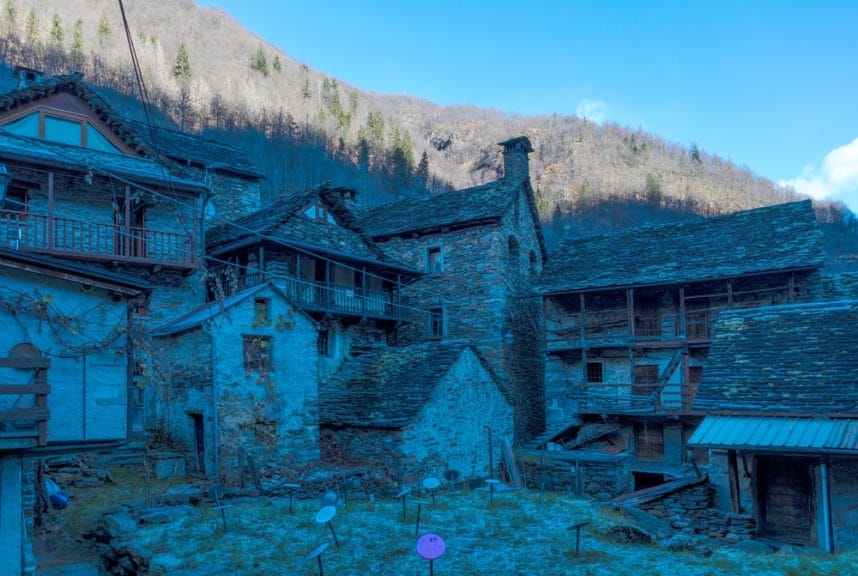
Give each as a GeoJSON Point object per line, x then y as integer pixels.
{"type": "Point", "coordinates": [451, 431]}
{"type": "Point", "coordinates": [271, 416]}
{"type": "Point", "coordinates": [487, 271]}
{"type": "Point", "coordinates": [600, 478]}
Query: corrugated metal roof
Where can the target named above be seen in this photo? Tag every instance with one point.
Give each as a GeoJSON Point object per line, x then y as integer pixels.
{"type": "Point", "coordinates": [780, 434]}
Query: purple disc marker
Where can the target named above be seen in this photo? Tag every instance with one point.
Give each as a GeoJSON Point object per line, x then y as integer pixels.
{"type": "Point", "coordinates": [431, 546]}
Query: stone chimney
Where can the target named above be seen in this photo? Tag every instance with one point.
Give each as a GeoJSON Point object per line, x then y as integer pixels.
{"type": "Point", "coordinates": [515, 164]}
{"type": "Point", "coordinates": [26, 76]}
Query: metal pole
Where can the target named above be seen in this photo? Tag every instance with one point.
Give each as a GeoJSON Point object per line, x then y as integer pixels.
{"type": "Point", "coordinates": [826, 509]}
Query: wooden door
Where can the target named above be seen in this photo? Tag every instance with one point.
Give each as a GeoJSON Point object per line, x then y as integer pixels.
{"type": "Point", "coordinates": [786, 503]}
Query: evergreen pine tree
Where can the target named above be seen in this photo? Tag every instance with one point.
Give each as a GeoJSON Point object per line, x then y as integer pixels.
{"type": "Point", "coordinates": [259, 61]}
{"type": "Point", "coordinates": [104, 31]}
{"type": "Point", "coordinates": [58, 35]}
{"type": "Point", "coordinates": [182, 67]}
{"type": "Point", "coordinates": [277, 64]}
{"type": "Point", "coordinates": [77, 45]}
{"type": "Point", "coordinates": [32, 27]}
{"type": "Point", "coordinates": [423, 169]}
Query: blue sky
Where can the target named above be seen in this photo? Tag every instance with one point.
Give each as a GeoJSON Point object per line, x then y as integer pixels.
{"type": "Point", "coordinates": [772, 85]}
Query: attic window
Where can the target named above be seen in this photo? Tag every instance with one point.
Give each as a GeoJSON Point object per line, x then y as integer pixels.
{"type": "Point", "coordinates": [63, 127]}
{"type": "Point", "coordinates": [258, 354]}
{"type": "Point", "coordinates": [320, 213]}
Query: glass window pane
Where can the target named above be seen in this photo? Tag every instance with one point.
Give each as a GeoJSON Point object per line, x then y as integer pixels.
{"type": "Point", "coordinates": [62, 130]}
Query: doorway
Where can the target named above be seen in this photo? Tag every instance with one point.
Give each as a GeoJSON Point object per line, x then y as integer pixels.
{"type": "Point", "coordinates": [199, 442]}
{"type": "Point", "coordinates": [786, 503]}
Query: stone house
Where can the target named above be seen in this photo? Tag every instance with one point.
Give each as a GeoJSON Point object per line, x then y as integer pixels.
{"type": "Point", "coordinates": [414, 411]}
{"type": "Point", "coordinates": [781, 427]}
{"type": "Point", "coordinates": [240, 375]}
{"type": "Point", "coordinates": [479, 249]}
{"type": "Point", "coordinates": [308, 244]}
{"type": "Point", "coordinates": [629, 320]}
{"type": "Point", "coordinates": [101, 236]}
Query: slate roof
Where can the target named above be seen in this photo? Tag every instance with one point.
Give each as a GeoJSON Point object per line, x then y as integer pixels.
{"type": "Point", "coordinates": [386, 388]}
{"type": "Point", "coordinates": [81, 160]}
{"type": "Point", "coordinates": [197, 149]}
{"type": "Point", "coordinates": [284, 222]}
{"type": "Point", "coordinates": [136, 135]}
{"type": "Point", "coordinates": [30, 260]}
{"type": "Point", "coordinates": [482, 204]}
{"type": "Point", "coordinates": [799, 358]}
{"type": "Point", "coordinates": [781, 237]}
{"type": "Point", "coordinates": [204, 312]}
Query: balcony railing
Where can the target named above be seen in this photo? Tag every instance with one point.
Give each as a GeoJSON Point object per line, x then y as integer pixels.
{"type": "Point", "coordinates": [323, 297]}
{"type": "Point", "coordinates": [635, 398]}
{"type": "Point", "coordinates": [605, 328]}
{"type": "Point", "coordinates": [60, 236]}
{"type": "Point", "coordinates": [24, 407]}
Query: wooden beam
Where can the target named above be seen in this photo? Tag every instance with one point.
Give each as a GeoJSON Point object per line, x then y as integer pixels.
{"type": "Point", "coordinates": [733, 473]}
{"type": "Point", "coordinates": [791, 285]}
{"type": "Point", "coordinates": [25, 363]}
{"type": "Point", "coordinates": [582, 322]}
{"type": "Point", "coordinates": [24, 389]}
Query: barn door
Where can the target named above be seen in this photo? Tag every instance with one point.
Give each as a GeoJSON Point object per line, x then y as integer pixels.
{"type": "Point", "coordinates": [786, 502]}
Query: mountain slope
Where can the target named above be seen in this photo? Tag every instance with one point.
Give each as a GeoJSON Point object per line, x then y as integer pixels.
{"type": "Point", "coordinates": [233, 80]}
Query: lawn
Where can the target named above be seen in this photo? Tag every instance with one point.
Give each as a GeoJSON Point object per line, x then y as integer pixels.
{"type": "Point", "coordinates": [521, 533]}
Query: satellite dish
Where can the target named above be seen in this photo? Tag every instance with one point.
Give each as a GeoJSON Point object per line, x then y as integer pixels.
{"type": "Point", "coordinates": [325, 515]}
{"type": "Point", "coordinates": [431, 546]}
{"type": "Point", "coordinates": [431, 483]}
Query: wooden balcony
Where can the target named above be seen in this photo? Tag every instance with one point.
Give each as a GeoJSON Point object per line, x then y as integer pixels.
{"type": "Point", "coordinates": [327, 298]}
{"type": "Point", "coordinates": [84, 240]}
{"type": "Point", "coordinates": [24, 407]}
{"type": "Point", "coordinates": [602, 398]}
{"type": "Point", "coordinates": [614, 329]}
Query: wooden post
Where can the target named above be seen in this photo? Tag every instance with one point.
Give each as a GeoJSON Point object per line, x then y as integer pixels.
{"type": "Point", "coordinates": [41, 381]}
{"type": "Point", "coordinates": [733, 473]}
{"type": "Point", "coordinates": [683, 326]}
{"type": "Point", "coordinates": [729, 294]}
{"type": "Point", "coordinates": [582, 323]}
{"type": "Point", "coordinates": [491, 455]}
{"type": "Point", "coordinates": [791, 284]}
{"type": "Point", "coordinates": [49, 233]}
{"type": "Point", "coordinates": [630, 305]}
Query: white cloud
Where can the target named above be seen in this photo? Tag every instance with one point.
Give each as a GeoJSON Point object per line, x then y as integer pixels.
{"type": "Point", "coordinates": [593, 110]}
{"type": "Point", "coordinates": [835, 179]}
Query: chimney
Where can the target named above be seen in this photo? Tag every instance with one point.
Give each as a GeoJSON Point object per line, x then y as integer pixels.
{"type": "Point", "coordinates": [26, 76]}
{"type": "Point", "coordinates": [515, 165]}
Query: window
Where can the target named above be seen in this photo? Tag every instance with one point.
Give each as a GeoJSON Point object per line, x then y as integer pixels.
{"type": "Point", "coordinates": [434, 260]}
{"type": "Point", "coordinates": [258, 354]}
{"type": "Point", "coordinates": [650, 442]}
{"type": "Point", "coordinates": [594, 372]}
{"type": "Point", "coordinates": [323, 344]}
{"type": "Point", "coordinates": [320, 213]}
{"type": "Point", "coordinates": [436, 322]}
{"type": "Point", "coordinates": [261, 311]}
{"type": "Point", "coordinates": [61, 126]}
{"type": "Point", "coordinates": [646, 377]}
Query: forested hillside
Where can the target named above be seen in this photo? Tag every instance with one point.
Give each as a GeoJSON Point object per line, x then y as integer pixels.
{"type": "Point", "coordinates": [208, 74]}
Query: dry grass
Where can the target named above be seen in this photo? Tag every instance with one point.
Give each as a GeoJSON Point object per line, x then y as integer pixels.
{"type": "Point", "coordinates": [520, 534]}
